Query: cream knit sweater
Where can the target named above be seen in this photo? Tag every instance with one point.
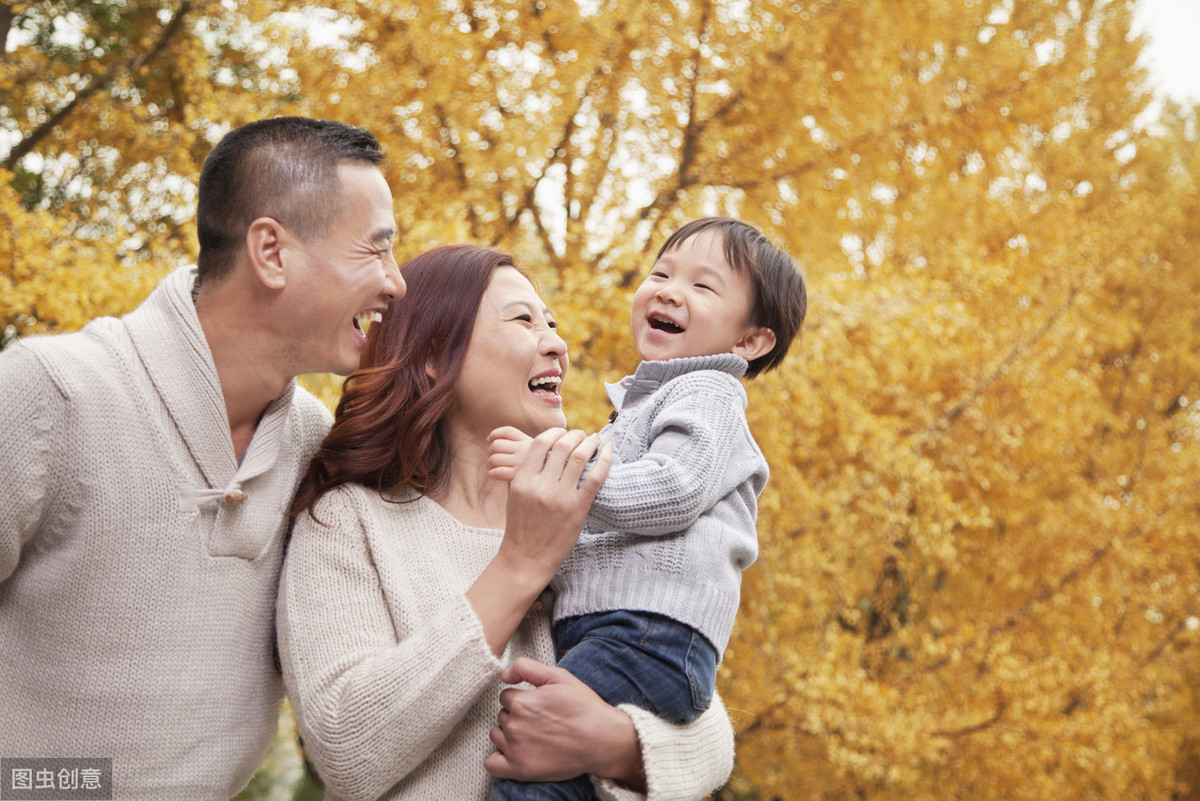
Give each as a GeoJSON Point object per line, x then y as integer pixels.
{"type": "Point", "coordinates": [387, 667]}
{"type": "Point", "coordinates": [136, 603]}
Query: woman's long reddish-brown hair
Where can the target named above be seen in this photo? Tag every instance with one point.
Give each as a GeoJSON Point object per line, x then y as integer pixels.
{"type": "Point", "coordinates": [387, 431]}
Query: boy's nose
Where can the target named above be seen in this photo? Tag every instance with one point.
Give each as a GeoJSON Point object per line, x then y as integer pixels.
{"type": "Point", "coordinates": [667, 294]}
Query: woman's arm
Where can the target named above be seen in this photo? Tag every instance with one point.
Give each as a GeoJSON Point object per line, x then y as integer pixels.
{"type": "Point", "coordinates": [561, 729]}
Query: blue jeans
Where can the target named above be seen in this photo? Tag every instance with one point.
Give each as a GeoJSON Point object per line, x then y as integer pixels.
{"type": "Point", "coordinates": [640, 658]}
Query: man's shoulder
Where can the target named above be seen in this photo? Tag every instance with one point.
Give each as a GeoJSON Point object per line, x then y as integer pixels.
{"type": "Point", "coordinates": [310, 419]}
{"type": "Point", "coordinates": [308, 406]}
{"type": "Point", "coordinates": [71, 361]}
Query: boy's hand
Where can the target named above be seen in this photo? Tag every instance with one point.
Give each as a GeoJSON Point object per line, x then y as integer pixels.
{"type": "Point", "coordinates": [508, 448]}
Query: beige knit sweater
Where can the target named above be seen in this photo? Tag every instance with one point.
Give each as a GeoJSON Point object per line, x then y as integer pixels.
{"type": "Point", "coordinates": [387, 667]}
{"type": "Point", "coordinates": [136, 604]}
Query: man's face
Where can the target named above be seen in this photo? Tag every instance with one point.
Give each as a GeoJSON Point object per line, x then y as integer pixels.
{"type": "Point", "coordinates": [344, 278]}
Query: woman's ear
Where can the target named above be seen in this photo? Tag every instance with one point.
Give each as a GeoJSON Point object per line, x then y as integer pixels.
{"type": "Point", "coordinates": [756, 341]}
{"type": "Point", "coordinates": [265, 239]}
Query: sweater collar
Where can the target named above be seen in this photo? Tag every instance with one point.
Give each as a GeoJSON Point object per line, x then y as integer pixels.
{"type": "Point", "coordinates": [649, 376]}
{"type": "Point", "coordinates": [170, 341]}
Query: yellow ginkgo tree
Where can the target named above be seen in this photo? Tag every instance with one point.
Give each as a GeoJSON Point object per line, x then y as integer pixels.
{"type": "Point", "coordinates": [977, 576]}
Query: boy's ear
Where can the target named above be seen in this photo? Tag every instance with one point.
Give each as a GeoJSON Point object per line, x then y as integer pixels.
{"type": "Point", "coordinates": [264, 246]}
{"type": "Point", "coordinates": [756, 341]}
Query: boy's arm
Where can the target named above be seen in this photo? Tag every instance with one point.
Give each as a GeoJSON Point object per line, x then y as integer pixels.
{"type": "Point", "coordinates": [685, 470]}
{"type": "Point", "coordinates": [687, 467]}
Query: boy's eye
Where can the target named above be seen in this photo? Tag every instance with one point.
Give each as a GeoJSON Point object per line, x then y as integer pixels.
{"type": "Point", "coordinates": [704, 286]}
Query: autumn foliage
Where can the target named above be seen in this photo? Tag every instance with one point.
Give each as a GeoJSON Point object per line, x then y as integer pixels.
{"type": "Point", "coordinates": [979, 574]}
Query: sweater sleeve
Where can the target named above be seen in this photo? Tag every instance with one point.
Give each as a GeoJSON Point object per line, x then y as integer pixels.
{"type": "Point", "coordinates": [683, 762]}
{"type": "Point", "coordinates": [372, 704]}
{"type": "Point", "coordinates": [31, 414]}
{"type": "Point", "coordinates": [685, 469]}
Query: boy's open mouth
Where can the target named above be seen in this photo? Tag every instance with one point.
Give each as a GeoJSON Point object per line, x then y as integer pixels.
{"type": "Point", "coordinates": [663, 324]}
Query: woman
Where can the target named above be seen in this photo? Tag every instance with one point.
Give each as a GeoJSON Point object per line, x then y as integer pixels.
{"type": "Point", "coordinates": [412, 578]}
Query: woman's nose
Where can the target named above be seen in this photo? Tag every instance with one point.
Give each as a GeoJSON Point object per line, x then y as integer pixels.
{"type": "Point", "coordinates": [553, 344]}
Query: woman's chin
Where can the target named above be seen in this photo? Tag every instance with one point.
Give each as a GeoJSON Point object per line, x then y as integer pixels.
{"type": "Point", "coordinates": [548, 421]}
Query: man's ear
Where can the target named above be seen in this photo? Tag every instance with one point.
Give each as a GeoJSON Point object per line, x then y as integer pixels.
{"type": "Point", "coordinates": [265, 241]}
{"type": "Point", "coordinates": [756, 341]}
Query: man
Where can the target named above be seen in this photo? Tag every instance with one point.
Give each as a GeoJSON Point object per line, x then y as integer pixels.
{"type": "Point", "coordinates": [146, 464]}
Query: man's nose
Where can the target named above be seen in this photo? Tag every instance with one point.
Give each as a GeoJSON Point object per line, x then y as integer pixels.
{"type": "Point", "coordinates": [394, 285]}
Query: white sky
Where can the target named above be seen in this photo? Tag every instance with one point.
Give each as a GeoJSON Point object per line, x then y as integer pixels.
{"type": "Point", "coordinates": [1173, 50]}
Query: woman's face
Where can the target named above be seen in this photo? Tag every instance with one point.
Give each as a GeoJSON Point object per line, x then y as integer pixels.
{"type": "Point", "coordinates": [515, 364]}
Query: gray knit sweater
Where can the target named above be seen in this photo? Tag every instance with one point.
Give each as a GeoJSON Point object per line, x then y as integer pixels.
{"type": "Point", "coordinates": [136, 604]}
{"type": "Point", "coordinates": [673, 527]}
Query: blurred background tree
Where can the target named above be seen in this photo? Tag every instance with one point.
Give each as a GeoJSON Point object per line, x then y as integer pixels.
{"type": "Point", "coordinates": [978, 574]}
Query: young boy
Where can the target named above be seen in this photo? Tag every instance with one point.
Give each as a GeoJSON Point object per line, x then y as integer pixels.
{"type": "Point", "coordinates": [645, 604]}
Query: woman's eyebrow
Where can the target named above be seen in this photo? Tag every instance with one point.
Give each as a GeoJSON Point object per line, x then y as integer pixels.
{"type": "Point", "coordinates": [524, 304]}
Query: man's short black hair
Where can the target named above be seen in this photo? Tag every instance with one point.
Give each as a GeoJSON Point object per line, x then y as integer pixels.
{"type": "Point", "coordinates": [284, 168]}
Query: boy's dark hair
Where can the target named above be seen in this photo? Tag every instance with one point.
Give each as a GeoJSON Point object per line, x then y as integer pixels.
{"type": "Point", "coordinates": [780, 296]}
{"type": "Point", "coordinates": [284, 168]}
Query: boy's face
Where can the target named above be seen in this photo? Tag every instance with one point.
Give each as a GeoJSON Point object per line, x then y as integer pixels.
{"type": "Point", "coordinates": [693, 303]}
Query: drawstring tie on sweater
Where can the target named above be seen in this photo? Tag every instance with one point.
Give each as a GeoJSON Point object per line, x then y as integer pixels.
{"type": "Point", "coordinates": [191, 499]}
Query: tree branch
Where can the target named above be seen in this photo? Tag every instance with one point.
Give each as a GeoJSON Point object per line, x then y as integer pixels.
{"type": "Point", "coordinates": [98, 83]}
{"type": "Point", "coordinates": [975, 728]}
{"type": "Point", "coordinates": [1018, 350]}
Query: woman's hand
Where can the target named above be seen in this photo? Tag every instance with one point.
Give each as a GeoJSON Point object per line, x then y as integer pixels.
{"type": "Point", "coordinates": [560, 729]}
{"type": "Point", "coordinates": [547, 504]}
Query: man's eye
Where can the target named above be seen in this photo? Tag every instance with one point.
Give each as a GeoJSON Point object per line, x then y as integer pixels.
{"type": "Point", "coordinates": [553, 325]}
{"type": "Point", "coordinates": [525, 318]}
